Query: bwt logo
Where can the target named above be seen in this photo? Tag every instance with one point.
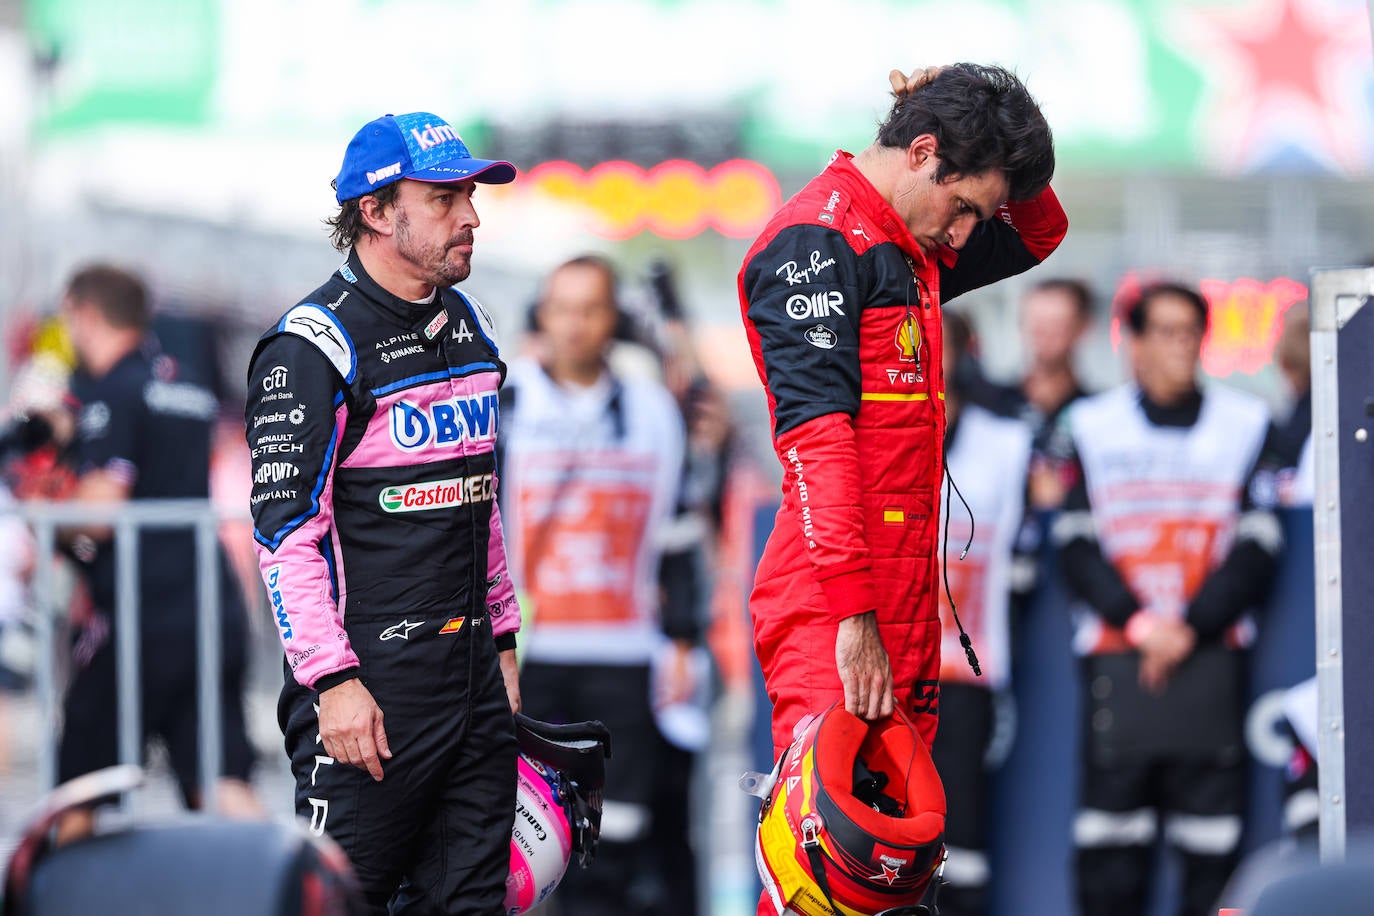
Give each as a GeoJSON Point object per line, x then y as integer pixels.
{"type": "Point", "coordinates": [374, 177]}
{"type": "Point", "coordinates": [278, 602]}
{"type": "Point", "coordinates": [433, 136]}
{"type": "Point", "coordinates": [443, 424]}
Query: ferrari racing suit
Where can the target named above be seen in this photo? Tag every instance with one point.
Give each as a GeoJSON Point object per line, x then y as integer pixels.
{"type": "Point", "coordinates": [842, 311]}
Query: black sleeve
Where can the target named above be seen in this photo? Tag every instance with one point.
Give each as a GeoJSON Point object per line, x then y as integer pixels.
{"type": "Point", "coordinates": [1088, 573]}
{"type": "Point", "coordinates": [1019, 236]}
{"type": "Point", "coordinates": [993, 252]}
{"type": "Point", "coordinates": [1242, 580]}
{"type": "Point", "coordinates": [293, 395]}
{"type": "Point", "coordinates": [805, 292]}
{"type": "Point", "coordinates": [683, 593]}
{"type": "Point", "coordinates": [110, 426]}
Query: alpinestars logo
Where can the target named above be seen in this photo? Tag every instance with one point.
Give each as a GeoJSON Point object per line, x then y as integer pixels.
{"type": "Point", "coordinates": [317, 328]}
{"type": "Point", "coordinates": [400, 630]}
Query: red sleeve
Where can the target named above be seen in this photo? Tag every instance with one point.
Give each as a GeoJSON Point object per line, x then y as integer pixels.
{"type": "Point", "coordinates": [1040, 221]}
{"type": "Point", "coordinates": [821, 460]}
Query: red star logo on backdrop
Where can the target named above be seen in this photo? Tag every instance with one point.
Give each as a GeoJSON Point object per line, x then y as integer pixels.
{"type": "Point", "coordinates": [1286, 75]}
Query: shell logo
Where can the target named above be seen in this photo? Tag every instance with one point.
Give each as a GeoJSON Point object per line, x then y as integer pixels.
{"type": "Point", "coordinates": [908, 339]}
{"type": "Point", "coordinates": [675, 199]}
{"type": "Point", "coordinates": [1245, 318]}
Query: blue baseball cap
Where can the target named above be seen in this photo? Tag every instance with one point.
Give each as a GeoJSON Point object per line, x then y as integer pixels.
{"type": "Point", "coordinates": [419, 146]}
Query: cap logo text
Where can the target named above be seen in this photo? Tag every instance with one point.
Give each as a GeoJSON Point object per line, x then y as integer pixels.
{"type": "Point", "coordinates": [433, 136]}
{"type": "Point", "coordinates": [393, 169]}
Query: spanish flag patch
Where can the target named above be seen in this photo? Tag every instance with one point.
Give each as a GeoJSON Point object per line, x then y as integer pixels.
{"type": "Point", "coordinates": [453, 626]}
{"type": "Point", "coordinates": [893, 516]}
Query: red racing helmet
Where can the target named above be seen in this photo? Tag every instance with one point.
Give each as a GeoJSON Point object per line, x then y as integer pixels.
{"type": "Point", "coordinates": [854, 822]}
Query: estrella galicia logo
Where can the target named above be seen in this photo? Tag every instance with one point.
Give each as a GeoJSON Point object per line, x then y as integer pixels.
{"type": "Point", "coordinates": [821, 337]}
{"type": "Point", "coordinates": [278, 602]}
{"type": "Point", "coordinates": [443, 424]}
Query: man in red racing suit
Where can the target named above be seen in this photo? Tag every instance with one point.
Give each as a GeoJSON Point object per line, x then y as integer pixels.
{"type": "Point", "coordinates": [841, 300]}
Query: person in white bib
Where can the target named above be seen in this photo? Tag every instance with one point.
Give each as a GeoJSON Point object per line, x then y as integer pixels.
{"type": "Point", "coordinates": [591, 467]}
{"type": "Point", "coordinates": [988, 458]}
{"type": "Point", "coordinates": [1167, 553]}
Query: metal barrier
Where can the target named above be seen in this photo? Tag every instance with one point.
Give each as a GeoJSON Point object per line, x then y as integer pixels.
{"type": "Point", "coordinates": [127, 520]}
{"type": "Point", "coordinates": [1342, 414]}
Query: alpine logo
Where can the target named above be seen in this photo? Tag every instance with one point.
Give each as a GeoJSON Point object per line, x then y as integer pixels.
{"type": "Point", "coordinates": [278, 602]}
{"type": "Point", "coordinates": [821, 337]}
{"type": "Point", "coordinates": [389, 171]}
{"type": "Point", "coordinates": [433, 136]}
{"type": "Point", "coordinates": [438, 494]}
{"type": "Point", "coordinates": [443, 424]}
{"type": "Point", "coordinates": [275, 472]}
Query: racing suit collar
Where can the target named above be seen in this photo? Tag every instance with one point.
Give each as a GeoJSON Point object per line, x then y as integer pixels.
{"type": "Point", "coordinates": [871, 204]}
{"type": "Point", "coordinates": [410, 315]}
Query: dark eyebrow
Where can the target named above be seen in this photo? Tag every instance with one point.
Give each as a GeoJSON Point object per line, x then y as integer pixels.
{"type": "Point", "coordinates": [976, 211]}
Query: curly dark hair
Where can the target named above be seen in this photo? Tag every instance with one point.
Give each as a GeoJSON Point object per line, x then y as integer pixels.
{"type": "Point", "coordinates": [348, 225]}
{"type": "Point", "coordinates": [983, 119]}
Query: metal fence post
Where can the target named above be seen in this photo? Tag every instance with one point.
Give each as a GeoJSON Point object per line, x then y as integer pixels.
{"type": "Point", "coordinates": [44, 674]}
{"type": "Point", "coordinates": [128, 642]}
{"type": "Point", "coordinates": [128, 520]}
{"type": "Point", "coordinates": [208, 660]}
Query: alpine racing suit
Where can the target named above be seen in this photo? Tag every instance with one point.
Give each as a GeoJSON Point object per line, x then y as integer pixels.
{"type": "Point", "coordinates": [842, 310]}
{"type": "Point", "coordinates": [372, 423]}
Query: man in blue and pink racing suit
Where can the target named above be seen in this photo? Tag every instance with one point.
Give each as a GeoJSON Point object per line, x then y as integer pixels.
{"type": "Point", "coordinates": [372, 418]}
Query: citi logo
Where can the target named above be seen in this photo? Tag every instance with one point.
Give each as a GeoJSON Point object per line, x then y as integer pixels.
{"type": "Point", "coordinates": [433, 136]}
{"type": "Point", "coordinates": [374, 177]}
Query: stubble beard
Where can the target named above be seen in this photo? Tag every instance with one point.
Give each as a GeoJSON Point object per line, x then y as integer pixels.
{"type": "Point", "coordinates": [437, 268]}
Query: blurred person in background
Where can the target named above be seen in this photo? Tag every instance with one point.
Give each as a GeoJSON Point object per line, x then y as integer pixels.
{"type": "Point", "coordinates": [988, 461]}
{"type": "Point", "coordinates": [841, 299]}
{"type": "Point", "coordinates": [142, 433]}
{"type": "Point", "coordinates": [689, 549]}
{"type": "Point", "coordinates": [1291, 455]}
{"type": "Point", "coordinates": [592, 465]}
{"type": "Point", "coordinates": [372, 420]}
{"type": "Point", "coordinates": [1164, 546]}
{"type": "Point", "coordinates": [1055, 316]}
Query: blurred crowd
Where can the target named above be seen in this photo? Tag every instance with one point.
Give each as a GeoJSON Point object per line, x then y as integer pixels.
{"type": "Point", "coordinates": [625, 488]}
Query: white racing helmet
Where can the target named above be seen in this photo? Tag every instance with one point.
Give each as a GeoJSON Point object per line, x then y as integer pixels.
{"type": "Point", "coordinates": [561, 774]}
